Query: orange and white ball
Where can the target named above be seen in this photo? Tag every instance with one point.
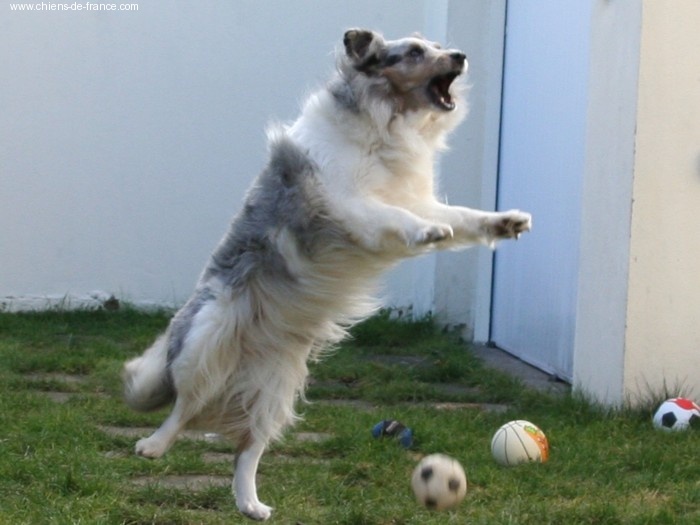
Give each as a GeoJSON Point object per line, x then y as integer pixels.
{"type": "Point", "coordinates": [519, 442]}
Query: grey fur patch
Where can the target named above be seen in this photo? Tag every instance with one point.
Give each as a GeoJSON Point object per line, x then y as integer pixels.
{"type": "Point", "coordinates": [182, 321]}
{"type": "Point", "coordinates": [343, 94]}
{"type": "Point", "coordinates": [284, 196]}
{"type": "Point", "coordinates": [275, 200]}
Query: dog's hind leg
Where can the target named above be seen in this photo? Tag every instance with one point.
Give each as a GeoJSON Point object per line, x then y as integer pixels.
{"type": "Point", "coordinates": [244, 487]}
{"type": "Point", "coordinates": [159, 442]}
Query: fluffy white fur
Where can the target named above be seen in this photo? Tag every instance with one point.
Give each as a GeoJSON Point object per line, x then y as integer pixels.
{"type": "Point", "coordinates": [356, 174]}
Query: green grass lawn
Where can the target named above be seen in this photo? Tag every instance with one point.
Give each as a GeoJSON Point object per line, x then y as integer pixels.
{"type": "Point", "coordinates": [59, 466]}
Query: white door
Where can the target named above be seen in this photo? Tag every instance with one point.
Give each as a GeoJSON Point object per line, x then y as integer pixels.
{"type": "Point", "coordinates": [540, 171]}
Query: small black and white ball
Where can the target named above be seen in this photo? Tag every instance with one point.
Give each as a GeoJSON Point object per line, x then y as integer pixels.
{"type": "Point", "coordinates": [439, 482]}
{"type": "Point", "coordinates": [676, 414]}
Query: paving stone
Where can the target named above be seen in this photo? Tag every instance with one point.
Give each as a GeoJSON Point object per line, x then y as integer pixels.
{"type": "Point", "coordinates": [218, 457]}
{"type": "Point", "coordinates": [117, 454]}
{"type": "Point", "coordinates": [58, 397]}
{"type": "Point", "coordinates": [486, 407]}
{"type": "Point", "coordinates": [139, 432]}
{"type": "Point", "coordinates": [60, 377]}
{"type": "Point", "coordinates": [405, 360]}
{"type": "Point", "coordinates": [189, 482]}
{"type": "Point", "coordinates": [129, 432]}
{"type": "Point", "coordinates": [455, 389]}
{"type": "Point", "coordinates": [529, 375]}
{"type": "Point", "coordinates": [311, 437]}
{"type": "Point", "coordinates": [352, 403]}
{"type": "Point", "coordinates": [286, 459]}
{"type": "Point", "coordinates": [195, 435]}
{"type": "Point", "coordinates": [63, 397]}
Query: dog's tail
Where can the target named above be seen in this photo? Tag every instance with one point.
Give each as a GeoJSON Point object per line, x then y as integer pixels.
{"type": "Point", "coordinates": [147, 383]}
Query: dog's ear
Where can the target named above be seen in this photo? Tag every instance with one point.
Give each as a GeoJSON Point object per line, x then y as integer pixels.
{"type": "Point", "coordinates": [362, 47]}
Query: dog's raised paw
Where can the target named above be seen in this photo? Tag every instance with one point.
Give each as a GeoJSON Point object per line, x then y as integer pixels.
{"type": "Point", "coordinates": [510, 224]}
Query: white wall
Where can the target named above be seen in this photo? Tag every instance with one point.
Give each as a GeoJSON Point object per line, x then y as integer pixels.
{"type": "Point", "coordinates": [662, 349]}
{"type": "Point", "coordinates": [606, 200]}
{"type": "Point", "coordinates": [639, 295]}
{"type": "Point", "coordinates": [127, 139]}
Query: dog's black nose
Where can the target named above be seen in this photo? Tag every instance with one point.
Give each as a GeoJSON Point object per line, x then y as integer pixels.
{"type": "Point", "coordinates": [458, 57]}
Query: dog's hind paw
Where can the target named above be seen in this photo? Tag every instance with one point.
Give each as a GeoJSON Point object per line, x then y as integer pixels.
{"type": "Point", "coordinates": [255, 510]}
{"type": "Point", "coordinates": [150, 448]}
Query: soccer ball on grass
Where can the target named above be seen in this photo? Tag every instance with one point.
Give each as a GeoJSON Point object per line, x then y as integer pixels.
{"type": "Point", "coordinates": [439, 482]}
{"type": "Point", "coordinates": [678, 413]}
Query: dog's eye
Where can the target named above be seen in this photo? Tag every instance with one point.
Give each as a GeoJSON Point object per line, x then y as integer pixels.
{"type": "Point", "coordinates": [415, 52]}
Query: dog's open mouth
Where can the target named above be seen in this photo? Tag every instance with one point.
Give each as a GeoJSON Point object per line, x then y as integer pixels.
{"type": "Point", "coordinates": [439, 91]}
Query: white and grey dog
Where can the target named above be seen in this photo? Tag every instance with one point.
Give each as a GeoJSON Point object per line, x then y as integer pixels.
{"type": "Point", "coordinates": [347, 192]}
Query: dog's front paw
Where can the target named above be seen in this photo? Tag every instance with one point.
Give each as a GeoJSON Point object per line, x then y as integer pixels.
{"type": "Point", "coordinates": [150, 448]}
{"type": "Point", "coordinates": [255, 510]}
{"type": "Point", "coordinates": [509, 225]}
{"type": "Point", "coordinates": [431, 234]}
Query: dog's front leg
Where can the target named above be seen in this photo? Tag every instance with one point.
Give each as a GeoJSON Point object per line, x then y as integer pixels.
{"type": "Point", "coordinates": [244, 486]}
{"type": "Point", "coordinates": [479, 227]}
{"type": "Point", "coordinates": [385, 228]}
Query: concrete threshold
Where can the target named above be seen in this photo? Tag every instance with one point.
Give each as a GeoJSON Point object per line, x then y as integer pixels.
{"type": "Point", "coordinates": [494, 357]}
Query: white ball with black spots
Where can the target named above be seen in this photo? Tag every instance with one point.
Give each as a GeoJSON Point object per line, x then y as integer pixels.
{"type": "Point", "coordinates": [675, 414]}
{"type": "Point", "coordinates": [439, 482]}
